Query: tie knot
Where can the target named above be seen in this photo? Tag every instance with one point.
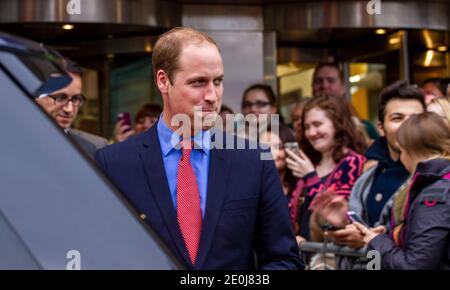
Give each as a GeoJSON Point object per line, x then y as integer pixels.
{"type": "Point", "coordinates": [186, 149]}
{"type": "Point", "coordinates": [186, 152]}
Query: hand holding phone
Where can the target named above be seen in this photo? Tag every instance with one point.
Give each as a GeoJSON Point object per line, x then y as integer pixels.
{"type": "Point", "coordinates": [354, 217]}
{"type": "Point", "coordinates": [125, 118]}
{"type": "Point", "coordinates": [293, 146]}
{"type": "Point", "coordinates": [297, 161]}
{"type": "Point", "coordinates": [123, 130]}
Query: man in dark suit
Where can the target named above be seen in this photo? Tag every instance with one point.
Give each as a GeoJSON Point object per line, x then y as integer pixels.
{"type": "Point", "coordinates": [214, 208]}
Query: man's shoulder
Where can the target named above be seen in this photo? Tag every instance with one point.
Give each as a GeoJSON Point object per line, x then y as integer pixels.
{"type": "Point", "coordinates": [126, 146]}
{"type": "Point", "coordinates": [98, 141]}
{"type": "Point", "coordinates": [87, 146]}
{"type": "Point", "coordinates": [237, 145]}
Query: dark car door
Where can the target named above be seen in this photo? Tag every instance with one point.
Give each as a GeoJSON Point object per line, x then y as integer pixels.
{"type": "Point", "coordinates": [57, 210]}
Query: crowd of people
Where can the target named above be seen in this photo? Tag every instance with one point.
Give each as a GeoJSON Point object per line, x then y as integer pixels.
{"type": "Point", "coordinates": [328, 162]}
{"type": "Point", "coordinates": [397, 183]}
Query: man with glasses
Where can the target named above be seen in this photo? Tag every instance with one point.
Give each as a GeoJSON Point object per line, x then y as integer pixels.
{"type": "Point", "coordinates": [63, 106]}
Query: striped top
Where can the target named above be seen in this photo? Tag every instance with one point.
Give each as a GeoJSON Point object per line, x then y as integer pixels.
{"type": "Point", "coordinates": [341, 180]}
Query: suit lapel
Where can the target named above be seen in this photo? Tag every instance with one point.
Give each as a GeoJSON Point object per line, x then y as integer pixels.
{"type": "Point", "coordinates": [217, 177]}
{"type": "Point", "coordinates": [151, 156]}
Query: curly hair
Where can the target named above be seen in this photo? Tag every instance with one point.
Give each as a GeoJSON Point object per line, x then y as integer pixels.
{"type": "Point", "coordinates": [346, 135]}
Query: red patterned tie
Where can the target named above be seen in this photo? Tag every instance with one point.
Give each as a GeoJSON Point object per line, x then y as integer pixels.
{"type": "Point", "coordinates": [189, 213]}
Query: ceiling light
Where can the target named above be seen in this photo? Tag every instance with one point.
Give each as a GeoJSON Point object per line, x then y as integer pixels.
{"type": "Point", "coordinates": [442, 48]}
{"type": "Point", "coordinates": [68, 27]}
{"type": "Point", "coordinates": [148, 47]}
{"type": "Point", "coordinates": [428, 58]}
{"type": "Point", "coordinates": [394, 40]}
{"type": "Point", "coordinates": [355, 79]}
{"type": "Point", "coordinates": [380, 31]}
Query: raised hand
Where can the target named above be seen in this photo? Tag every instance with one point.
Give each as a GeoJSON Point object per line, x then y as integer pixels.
{"type": "Point", "coordinates": [300, 165]}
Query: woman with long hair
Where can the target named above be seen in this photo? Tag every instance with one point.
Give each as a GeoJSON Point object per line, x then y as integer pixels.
{"type": "Point", "coordinates": [329, 161]}
{"type": "Point", "coordinates": [422, 241]}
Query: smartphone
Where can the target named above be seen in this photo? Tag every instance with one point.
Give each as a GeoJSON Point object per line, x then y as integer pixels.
{"type": "Point", "coordinates": [354, 217]}
{"type": "Point", "coordinates": [126, 118]}
{"type": "Point", "coordinates": [329, 227]}
{"type": "Point", "coordinates": [293, 146]}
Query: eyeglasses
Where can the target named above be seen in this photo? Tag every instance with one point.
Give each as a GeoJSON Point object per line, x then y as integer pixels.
{"type": "Point", "coordinates": [63, 99]}
{"type": "Point", "coordinates": [258, 104]}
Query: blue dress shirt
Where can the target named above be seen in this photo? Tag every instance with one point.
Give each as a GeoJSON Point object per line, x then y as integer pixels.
{"type": "Point", "coordinates": [171, 157]}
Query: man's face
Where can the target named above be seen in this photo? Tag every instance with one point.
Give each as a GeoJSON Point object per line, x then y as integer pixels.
{"type": "Point", "coordinates": [327, 82]}
{"type": "Point", "coordinates": [397, 111]}
{"type": "Point", "coordinates": [198, 82]}
{"type": "Point", "coordinates": [63, 115]}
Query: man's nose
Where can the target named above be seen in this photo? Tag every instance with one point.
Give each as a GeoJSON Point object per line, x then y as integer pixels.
{"type": "Point", "coordinates": [68, 107]}
{"type": "Point", "coordinates": [326, 84]}
{"type": "Point", "coordinates": [211, 94]}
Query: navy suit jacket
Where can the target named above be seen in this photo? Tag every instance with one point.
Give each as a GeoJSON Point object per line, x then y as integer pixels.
{"type": "Point", "coordinates": [246, 212]}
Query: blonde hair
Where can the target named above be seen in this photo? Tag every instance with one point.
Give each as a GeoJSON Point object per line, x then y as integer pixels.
{"type": "Point", "coordinates": [425, 135]}
{"type": "Point", "coordinates": [444, 104]}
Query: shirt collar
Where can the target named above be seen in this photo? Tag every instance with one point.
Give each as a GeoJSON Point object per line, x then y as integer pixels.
{"type": "Point", "coordinates": [170, 139]}
{"type": "Point", "coordinates": [379, 151]}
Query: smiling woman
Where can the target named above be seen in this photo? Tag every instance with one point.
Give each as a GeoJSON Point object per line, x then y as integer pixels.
{"type": "Point", "coordinates": [331, 160]}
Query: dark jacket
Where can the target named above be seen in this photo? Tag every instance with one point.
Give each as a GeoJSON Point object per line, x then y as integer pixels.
{"type": "Point", "coordinates": [386, 179]}
{"type": "Point", "coordinates": [427, 227]}
{"type": "Point", "coordinates": [246, 211]}
{"type": "Point", "coordinates": [87, 146]}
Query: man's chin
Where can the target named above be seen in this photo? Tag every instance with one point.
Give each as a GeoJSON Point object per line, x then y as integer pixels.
{"type": "Point", "coordinates": [209, 113]}
{"type": "Point", "coordinates": [63, 123]}
{"type": "Point", "coordinates": [209, 118]}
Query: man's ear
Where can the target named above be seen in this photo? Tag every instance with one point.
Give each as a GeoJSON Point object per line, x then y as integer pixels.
{"type": "Point", "coordinates": [381, 128]}
{"type": "Point", "coordinates": [162, 81]}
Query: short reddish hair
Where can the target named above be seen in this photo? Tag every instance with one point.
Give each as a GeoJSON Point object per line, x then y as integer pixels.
{"type": "Point", "coordinates": [169, 45]}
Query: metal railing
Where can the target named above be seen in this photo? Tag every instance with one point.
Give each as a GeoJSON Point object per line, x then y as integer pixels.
{"type": "Point", "coordinates": [312, 247]}
{"type": "Point", "coordinates": [333, 257]}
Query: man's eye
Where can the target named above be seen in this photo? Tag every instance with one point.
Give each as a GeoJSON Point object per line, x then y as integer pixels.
{"type": "Point", "coordinates": [218, 82]}
{"type": "Point", "coordinates": [198, 82]}
{"type": "Point", "coordinates": [332, 80]}
{"type": "Point", "coordinates": [61, 97]}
